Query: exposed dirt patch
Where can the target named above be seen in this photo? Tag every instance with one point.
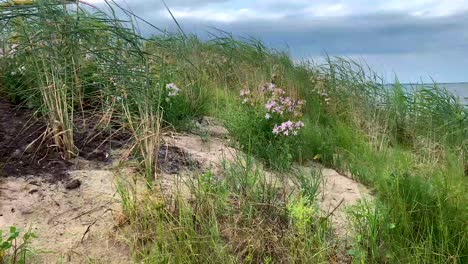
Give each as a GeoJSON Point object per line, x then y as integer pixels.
{"type": "Point", "coordinates": [26, 149]}
{"type": "Point", "coordinates": [337, 193]}
{"type": "Point", "coordinates": [74, 212]}
{"type": "Point", "coordinates": [210, 126]}
{"type": "Point", "coordinates": [73, 225]}
{"type": "Point", "coordinates": [20, 136]}
{"type": "Point", "coordinates": [209, 153]}
{"type": "Point", "coordinates": [172, 159]}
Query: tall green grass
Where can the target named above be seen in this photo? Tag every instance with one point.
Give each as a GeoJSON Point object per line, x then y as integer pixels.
{"type": "Point", "coordinates": [409, 146]}
{"type": "Point", "coordinates": [240, 218]}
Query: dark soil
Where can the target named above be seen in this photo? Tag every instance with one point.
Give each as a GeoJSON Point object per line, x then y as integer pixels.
{"type": "Point", "coordinates": [25, 150]}
{"type": "Point", "coordinates": [172, 159]}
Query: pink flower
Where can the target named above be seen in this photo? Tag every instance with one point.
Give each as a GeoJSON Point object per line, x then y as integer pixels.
{"type": "Point", "coordinates": [288, 124]}
{"type": "Point", "coordinates": [276, 130]}
{"type": "Point", "coordinates": [270, 105]}
{"type": "Point", "coordinates": [271, 87]}
{"type": "Point", "coordinates": [279, 91]}
{"type": "Point", "coordinates": [299, 124]}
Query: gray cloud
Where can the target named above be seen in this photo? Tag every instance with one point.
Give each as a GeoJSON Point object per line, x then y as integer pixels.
{"type": "Point", "coordinates": [380, 33]}
{"type": "Point", "coordinates": [414, 41]}
{"type": "Point", "coordinates": [149, 6]}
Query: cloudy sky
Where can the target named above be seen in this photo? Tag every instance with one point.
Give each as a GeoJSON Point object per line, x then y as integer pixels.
{"type": "Point", "coordinates": [414, 39]}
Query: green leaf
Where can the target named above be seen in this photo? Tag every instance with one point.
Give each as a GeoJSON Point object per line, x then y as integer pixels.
{"type": "Point", "coordinates": [5, 245]}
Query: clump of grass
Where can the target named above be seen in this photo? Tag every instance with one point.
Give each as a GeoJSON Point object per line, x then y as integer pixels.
{"type": "Point", "coordinates": [409, 145]}
{"type": "Point", "coordinates": [14, 247]}
{"type": "Point", "coordinates": [239, 218]}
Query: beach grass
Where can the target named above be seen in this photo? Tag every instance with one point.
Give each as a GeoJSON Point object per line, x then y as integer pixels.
{"type": "Point", "coordinates": [409, 147]}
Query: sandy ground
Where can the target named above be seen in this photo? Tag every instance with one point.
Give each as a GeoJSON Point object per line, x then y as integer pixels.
{"type": "Point", "coordinates": [73, 226]}
{"type": "Point", "coordinates": [79, 225]}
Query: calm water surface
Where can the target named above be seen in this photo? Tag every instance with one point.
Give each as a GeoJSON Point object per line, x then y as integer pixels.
{"type": "Point", "coordinates": [458, 89]}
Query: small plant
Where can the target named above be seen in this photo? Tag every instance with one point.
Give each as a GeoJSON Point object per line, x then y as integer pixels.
{"type": "Point", "coordinates": [181, 105]}
{"type": "Point", "coordinates": [267, 124]}
{"type": "Point", "coordinates": [301, 214]}
{"type": "Point", "coordinates": [11, 249]}
{"type": "Point", "coordinates": [279, 108]}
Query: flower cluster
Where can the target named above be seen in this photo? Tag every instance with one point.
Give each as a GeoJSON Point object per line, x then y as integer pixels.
{"type": "Point", "coordinates": [278, 107]}
{"type": "Point", "coordinates": [279, 104]}
{"type": "Point", "coordinates": [172, 89]}
{"type": "Point", "coordinates": [288, 127]}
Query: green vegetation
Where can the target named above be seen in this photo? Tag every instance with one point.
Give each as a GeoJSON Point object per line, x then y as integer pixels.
{"type": "Point", "coordinates": [240, 218]}
{"type": "Point", "coordinates": [410, 147]}
{"type": "Point", "coordinates": [14, 248]}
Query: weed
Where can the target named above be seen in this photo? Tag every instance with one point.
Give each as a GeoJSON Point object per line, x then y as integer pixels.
{"type": "Point", "coordinates": [15, 248]}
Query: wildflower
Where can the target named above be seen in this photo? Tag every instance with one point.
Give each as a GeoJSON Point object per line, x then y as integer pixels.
{"type": "Point", "coordinates": [276, 130]}
{"type": "Point", "coordinates": [245, 100]}
{"type": "Point", "coordinates": [299, 124]}
{"type": "Point", "coordinates": [287, 125]}
{"type": "Point", "coordinates": [267, 116]}
{"type": "Point", "coordinates": [88, 56]}
{"type": "Point", "coordinates": [173, 89]}
{"type": "Point", "coordinates": [271, 87]}
{"type": "Point", "coordinates": [270, 104]}
{"type": "Point", "coordinates": [244, 92]}
{"type": "Point", "coordinates": [278, 91]}
{"type": "Point", "coordinates": [278, 110]}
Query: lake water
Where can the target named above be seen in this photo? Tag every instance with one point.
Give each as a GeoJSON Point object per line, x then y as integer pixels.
{"type": "Point", "coordinates": [458, 89]}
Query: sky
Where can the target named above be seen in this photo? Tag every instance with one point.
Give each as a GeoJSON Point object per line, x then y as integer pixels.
{"type": "Point", "coordinates": [416, 40]}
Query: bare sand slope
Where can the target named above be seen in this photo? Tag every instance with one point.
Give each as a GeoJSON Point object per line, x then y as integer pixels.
{"type": "Point", "coordinates": [79, 224]}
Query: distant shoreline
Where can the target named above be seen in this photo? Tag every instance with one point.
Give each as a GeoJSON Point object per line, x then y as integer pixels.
{"type": "Point", "coordinates": [428, 83]}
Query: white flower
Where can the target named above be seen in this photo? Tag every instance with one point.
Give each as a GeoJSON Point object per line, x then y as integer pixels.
{"type": "Point", "coordinates": [267, 116]}
{"type": "Point", "coordinates": [271, 87]}
{"type": "Point", "coordinates": [173, 89]}
{"type": "Point", "coordinates": [244, 92]}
